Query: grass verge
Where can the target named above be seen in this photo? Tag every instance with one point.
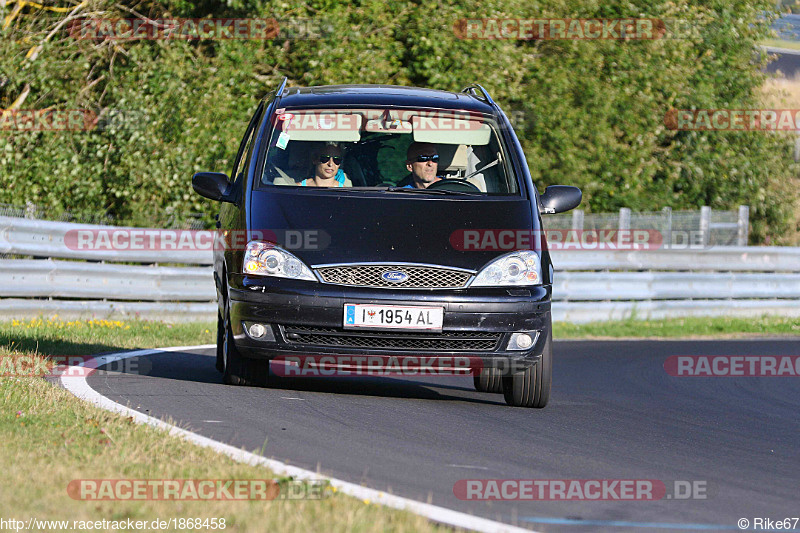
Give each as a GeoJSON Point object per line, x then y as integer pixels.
{"type": "Point", "coordinates": [51, 438]}
{"type": "Point", "coordinates": [780, 43]}
{"type": "Point", "coordinates": [692, 327]}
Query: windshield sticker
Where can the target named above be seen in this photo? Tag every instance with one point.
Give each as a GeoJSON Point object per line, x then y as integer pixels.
{"type": "Point", "coordinates": [283, 140]}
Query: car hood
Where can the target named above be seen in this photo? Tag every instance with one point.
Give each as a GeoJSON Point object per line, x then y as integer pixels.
{"type": "Point", "coordinates": [324, 228]}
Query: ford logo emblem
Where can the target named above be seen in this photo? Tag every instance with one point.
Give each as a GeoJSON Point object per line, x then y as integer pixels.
{"type": "Point", "coordinates": [394, 276]}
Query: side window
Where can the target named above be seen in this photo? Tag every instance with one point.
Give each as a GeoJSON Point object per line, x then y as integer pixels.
{"type": "Point", "coordinates": [245, 158]}
{"type": "Point", "coordinates": [242, 158]}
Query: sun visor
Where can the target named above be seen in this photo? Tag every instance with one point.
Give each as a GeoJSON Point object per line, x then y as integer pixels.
{"type": "Point", "coordinates": [450, 130]}
{"type": "Point", "coordinates": [323, 126]}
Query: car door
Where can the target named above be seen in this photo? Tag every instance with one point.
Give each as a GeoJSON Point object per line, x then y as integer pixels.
{"type": "Point", "coordinates": [230, 214]}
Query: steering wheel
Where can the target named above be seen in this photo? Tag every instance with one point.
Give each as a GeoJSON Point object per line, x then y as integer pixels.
{"type": "Point", "coordinates": [453, 184]}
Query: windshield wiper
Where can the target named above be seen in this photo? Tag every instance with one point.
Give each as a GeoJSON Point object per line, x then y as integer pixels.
{"type": "Point", "coordinates": [444, 192]}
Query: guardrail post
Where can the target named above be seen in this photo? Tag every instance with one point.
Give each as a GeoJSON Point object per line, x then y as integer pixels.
{"type": "Point", "coordinates": [666, 238]}
{"type": "Point", "coordinates": [624, 218]}
{"type": "Point", "coordinates": [577, 219]}
{"type": "Point", "coordinates": [705, 224]}
{"type": "Point", "coordinates": [744, 224]}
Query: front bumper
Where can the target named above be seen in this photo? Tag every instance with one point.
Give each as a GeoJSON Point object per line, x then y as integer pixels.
{"type": "Point", "coordinates": [307, 319]}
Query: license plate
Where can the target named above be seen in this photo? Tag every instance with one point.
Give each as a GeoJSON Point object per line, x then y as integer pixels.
{"type": "Point", "coordinates": [393, 316]}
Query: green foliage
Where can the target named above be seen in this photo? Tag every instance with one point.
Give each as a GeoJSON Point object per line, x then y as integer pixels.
{"type": "Point", "coordinates": [789, 6]}
{"type": "Point", "coordinates": [593, 111]}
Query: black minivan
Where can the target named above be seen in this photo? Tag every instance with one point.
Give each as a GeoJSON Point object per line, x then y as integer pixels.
{"type": "Point", "coordinates": [384, 221]}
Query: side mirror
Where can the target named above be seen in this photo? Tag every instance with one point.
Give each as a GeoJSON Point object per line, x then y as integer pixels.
{"type": "Point", "coordinates": [212, 185]}
{"type": "Point", "coordinates": [560, 198]}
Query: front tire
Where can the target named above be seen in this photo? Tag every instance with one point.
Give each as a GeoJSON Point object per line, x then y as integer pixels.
{"type": "Point", "coordinates": [488, 380]}
{"type": "Point", "coordinates": [239, 370]}
{"type": "Point", "coordinates": [220, 343]}
{"type": "Point", "coordinates": [531, 387]}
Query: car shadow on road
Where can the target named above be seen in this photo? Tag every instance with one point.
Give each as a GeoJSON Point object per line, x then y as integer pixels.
{"type": "Point", "coordinates": [49, 347]}
{"type": "Point", "coordinates": [385, 387]}
{"type": "Point", "coordinates": [199, 368]}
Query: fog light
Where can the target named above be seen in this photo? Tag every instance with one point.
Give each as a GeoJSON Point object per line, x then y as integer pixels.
{"type": "Point", "coordinates": [522, 341]}
{"type": "Point", "coordinates": [262, 332]}
{"type": "Point", "coordinates": [257, 331]}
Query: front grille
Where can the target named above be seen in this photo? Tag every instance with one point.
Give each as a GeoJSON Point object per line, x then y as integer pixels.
{"type": "Point", "coordinates": [449, 341]}
{"type": "Point", "coordinates": [419, 277]}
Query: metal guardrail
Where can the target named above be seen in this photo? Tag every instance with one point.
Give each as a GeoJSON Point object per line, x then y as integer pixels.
{"type": "Point", "coordinates": [581, 312]}
{"type": "Point", "coordinates": [589, 285]}
{"type": "Point", "coordinates": [717, 259]}
{"type": "Point", "coordinates": [71, 279]}
{"type": "Point", "coordinates": [13, 308]}
{"type": "Point", "coordinates": [640, 286]}
{"type": "Point", "coordinates": [706, 226]}
{"type": "Point", "coordinates": [43, 238]}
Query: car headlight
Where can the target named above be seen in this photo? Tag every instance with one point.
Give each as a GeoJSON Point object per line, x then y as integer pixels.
{"type": "Point", "coordinates": [517, 268]}
{"type": "Point", "coordinates": [266, 259]}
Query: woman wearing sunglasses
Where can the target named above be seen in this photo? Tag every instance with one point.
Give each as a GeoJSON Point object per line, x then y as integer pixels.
{"type": "Point", "coordinates": [326, 163]}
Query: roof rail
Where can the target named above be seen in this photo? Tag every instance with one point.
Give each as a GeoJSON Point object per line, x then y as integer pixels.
{"type": "Point", "coordinates": [473, 89]}
{"type": "Point", "coordinates": [282, 86]}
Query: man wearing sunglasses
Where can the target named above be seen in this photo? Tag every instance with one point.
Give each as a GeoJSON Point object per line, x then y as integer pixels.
{"type": "Point", "coordinates": [326, 163]}
{"type": "Point", "coordinates": [422, 160]}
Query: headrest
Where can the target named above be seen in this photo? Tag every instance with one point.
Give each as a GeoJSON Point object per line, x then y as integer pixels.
{"type": "Point", "coordinates": [452, 156]}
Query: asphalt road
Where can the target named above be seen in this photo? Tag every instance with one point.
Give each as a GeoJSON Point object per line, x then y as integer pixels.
{"type": "Point", "coordinates": [787, 63]}
{"type": "Point", "coordinates": [788, 28]}
{"type": "Point", "coordinates": [614, 414]}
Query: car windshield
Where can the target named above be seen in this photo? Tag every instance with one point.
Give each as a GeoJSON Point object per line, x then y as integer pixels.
{"type": "Point", "coordinates": [397, 150]}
